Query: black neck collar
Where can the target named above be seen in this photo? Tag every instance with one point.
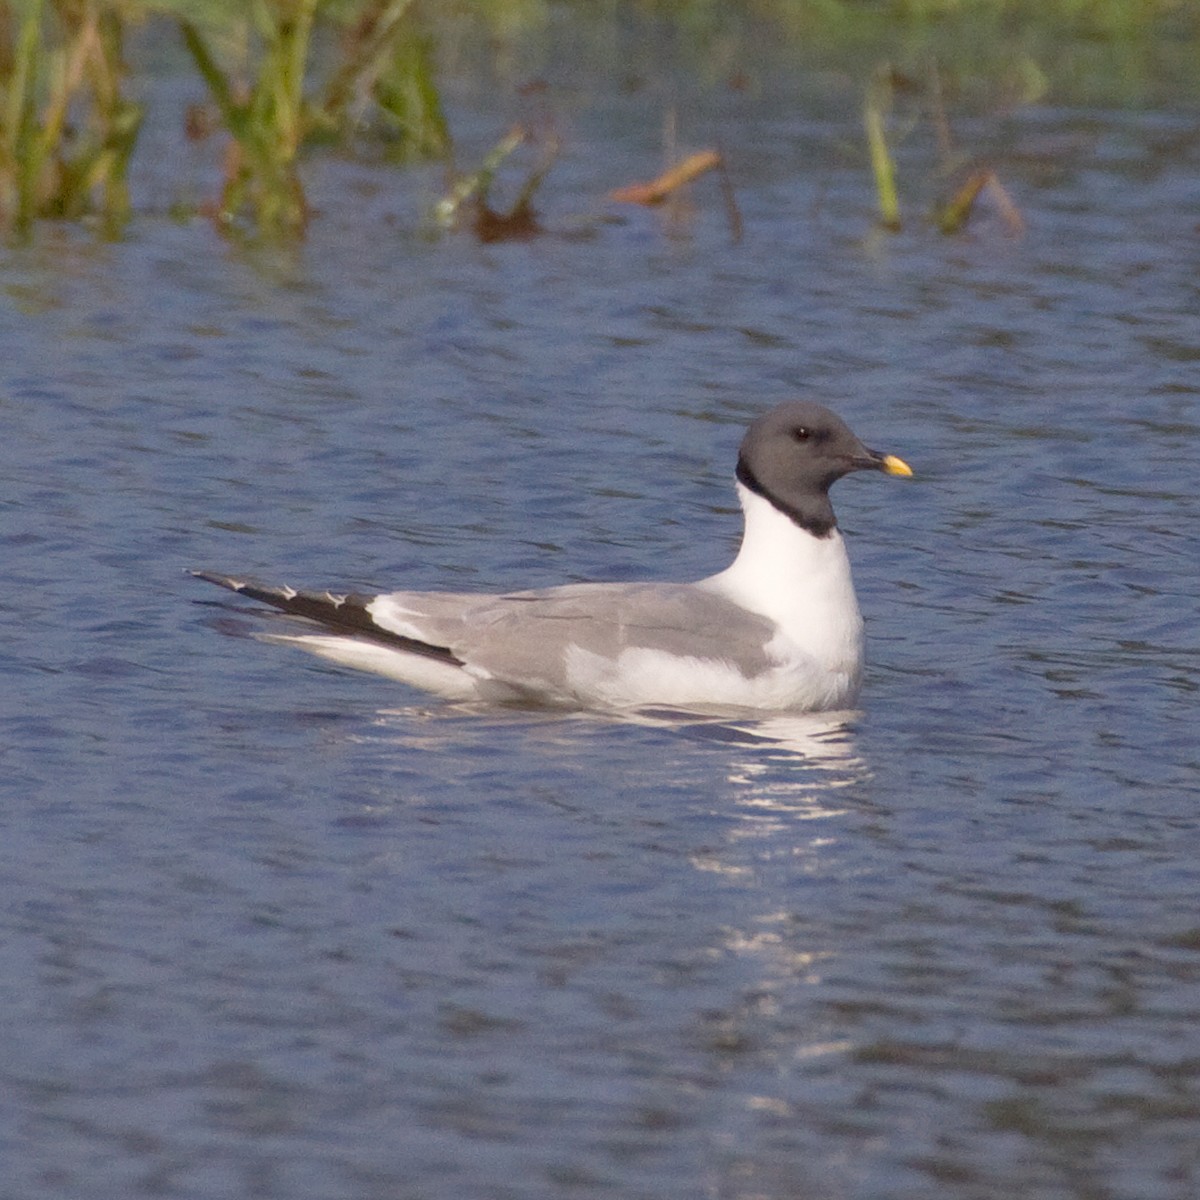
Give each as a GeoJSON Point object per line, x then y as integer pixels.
{"type": "Point", "coordinates": [816, 517]}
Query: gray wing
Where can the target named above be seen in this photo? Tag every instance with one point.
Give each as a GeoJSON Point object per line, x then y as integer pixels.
{"type": "Point", "coordinates": [528, 635]}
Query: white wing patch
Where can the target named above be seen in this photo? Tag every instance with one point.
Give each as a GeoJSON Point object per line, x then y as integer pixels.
{"type": "Point", "coordinates": [390, 614]}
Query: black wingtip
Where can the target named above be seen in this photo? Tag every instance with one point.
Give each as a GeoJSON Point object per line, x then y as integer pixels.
{"type": "Point", "coordinates": [347, 614]}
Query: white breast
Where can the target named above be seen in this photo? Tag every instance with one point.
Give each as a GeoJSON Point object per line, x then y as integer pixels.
{"type": "Point", "coordinates": [803, 584]}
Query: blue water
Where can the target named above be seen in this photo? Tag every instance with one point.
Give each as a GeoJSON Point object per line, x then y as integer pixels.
{"type": "Point", "coordinates": [271, 928]}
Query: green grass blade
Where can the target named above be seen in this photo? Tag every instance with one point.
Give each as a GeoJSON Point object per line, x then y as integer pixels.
{"type": "Point", "coordinates": [213, 76]}
{"type": "Point", "coordinates": [875, 109]}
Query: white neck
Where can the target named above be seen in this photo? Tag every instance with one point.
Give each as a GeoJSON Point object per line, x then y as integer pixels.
{"type": "Point", "coordinates": [799, 581]}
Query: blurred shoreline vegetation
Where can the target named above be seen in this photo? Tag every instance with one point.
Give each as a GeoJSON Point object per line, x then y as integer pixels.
{"type": "Point", "coordinates": [67, 129]}
{"type": "Point", "coordinates": [287, 77]}
{"type": "Point", "coordinates": [381, 73]}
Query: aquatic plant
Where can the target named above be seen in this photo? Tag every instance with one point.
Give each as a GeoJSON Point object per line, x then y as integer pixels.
{"type": "Point", "coordinates": [974, 179]}
{"type": "Point", "coordinates": [469, 199]}
{"type": "Point", "coordinates": [952, 216]}
{"type": "Point", "coordinates": [876, 107]}
{"type": "Point", "coordinates": [384, 64]}
{"type": "Point", "coordinates": [67, 131]}
{"type": "Point", "coordinates": [385, 82]}
{"type": "Point", "coordinates": [282, 75]}
{"type": "Point", "coordinates": [265, 119]}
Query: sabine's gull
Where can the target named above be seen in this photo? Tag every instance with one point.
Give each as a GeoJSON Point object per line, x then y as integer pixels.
{"type": "Point", "coordinates": [777, 630]}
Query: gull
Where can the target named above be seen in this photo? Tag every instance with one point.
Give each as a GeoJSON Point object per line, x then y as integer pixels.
{"type": "Point", "coordinates": [779, 630]}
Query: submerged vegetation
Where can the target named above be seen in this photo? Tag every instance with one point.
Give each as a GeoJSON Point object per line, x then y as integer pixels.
{"type": "Point", "coordinates": [284, 76]}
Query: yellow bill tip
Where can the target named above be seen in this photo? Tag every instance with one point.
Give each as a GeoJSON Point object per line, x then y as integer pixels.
{"type": "Point", "coordinates": [896, 466]}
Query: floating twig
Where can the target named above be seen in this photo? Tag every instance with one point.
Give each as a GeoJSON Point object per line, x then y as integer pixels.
{"type": "Point", "coordinates": [671, 180]}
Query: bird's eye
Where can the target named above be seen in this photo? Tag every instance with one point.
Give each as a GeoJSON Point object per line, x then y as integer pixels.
{"type": "Point", "coordinates": [801, 433]}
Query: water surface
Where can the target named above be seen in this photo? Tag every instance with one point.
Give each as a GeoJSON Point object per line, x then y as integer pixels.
{"type": "Point", "coordinates": [276, 929]}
